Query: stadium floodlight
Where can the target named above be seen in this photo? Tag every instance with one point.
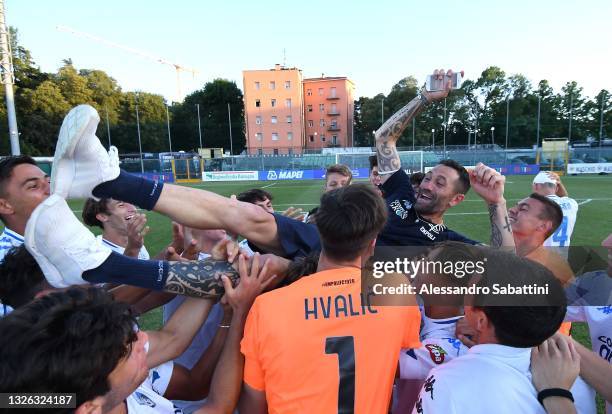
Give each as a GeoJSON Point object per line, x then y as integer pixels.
{"type": "Point", "coordinates": [433, 143]}
{"type": "Point", "coordinates": [493, 135]}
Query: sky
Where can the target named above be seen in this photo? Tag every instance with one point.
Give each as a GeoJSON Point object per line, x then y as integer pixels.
{"type": "Point", "coordinates": [373, 43]}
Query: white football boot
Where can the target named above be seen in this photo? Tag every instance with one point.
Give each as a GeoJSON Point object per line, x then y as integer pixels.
{"type": "Point", "coordinates": [63, 247]}
{"type": "Point", "coordinates": [80, 162]}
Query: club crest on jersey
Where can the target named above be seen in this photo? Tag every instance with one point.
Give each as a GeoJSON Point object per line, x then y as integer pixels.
{"type": "Point", "coordinates": [436, 353]}
{"type": "Point", "coordinates": [143, 399]}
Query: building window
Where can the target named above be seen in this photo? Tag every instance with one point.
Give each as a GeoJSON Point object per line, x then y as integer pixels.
{"type": "Point", "coordinates": [257, 103]}
{"type": "Point", "coordinates": [334, 109]}
{"type": "Point", "coordinates": [259, 136]}
{"type": "Point", "coordinates": [287, 84]}
{"type": "Point", "coordinates": [289, 136]}
{"type": "Point", "coordinates": [275, 151]}
{"type": "Point", "coordinates": [308, 92]}
{"type": "Point", "coordinates": [309, 108]}
{"type": "Point", "coordinates": [272, 85]}
{"type": "Point", "coordinates": [274, 120]}
{"type": "Point", "coordinates": [334, 139]}
{"type": "Point", "coordinates": [259, 151]}
{"type": "Point", "coordinates": [273, 103]}
{"type": "Point", "coordinates": [334, 123]}
{"type": "Point", "coordinates": [290, 151]}
{"type": "Point", "coordinates": [311, 138]}
{"type": "Point", "coordinates": [289, 119]}
{"type": "Point", "coordinates": [288, 103]}
{"type": "Point", "coordinates": [258, 120]}
{"type": "Point", "coordinates": [333, 92]}
{"type": "Point", "coordinates": [320, 91]}
{"type": "Point", "coordinates": [275, 136]}
{"type": "Point", "coordinates": [322, 107]}
{"type": "Point", "coordinates": [322, 138]}
{"type": "Point", "coordinates": [322, 122]}
{"type": "Point", "coordinates": [257, 85]}
{"type": "Point", "coordinates": [310, 123]}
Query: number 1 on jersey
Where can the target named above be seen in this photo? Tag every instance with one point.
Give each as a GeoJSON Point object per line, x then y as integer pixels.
{"type": "Point", "coordinates": [344, 346]}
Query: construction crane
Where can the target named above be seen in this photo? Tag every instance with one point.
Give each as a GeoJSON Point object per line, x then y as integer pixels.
{"type": "Point", "coordinates": [178, 68]}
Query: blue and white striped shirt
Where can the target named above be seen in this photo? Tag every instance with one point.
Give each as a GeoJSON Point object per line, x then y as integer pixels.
{"type": "Point", "coordinates": [8, 240]}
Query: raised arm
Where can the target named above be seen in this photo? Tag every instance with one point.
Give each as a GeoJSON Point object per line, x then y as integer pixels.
{"type": "Point", "coordinates": [194, 384]}
{"type": "Point", "coordinates": [176, 335]}
{"type": "Point", "coordinates": [388, 134]}
{"type": "Point", "coordinates": [489, 184]}
{"type": "Point", "coordinates": [561, 190]}
{"type": "Point", "coordinates": [227, 379]}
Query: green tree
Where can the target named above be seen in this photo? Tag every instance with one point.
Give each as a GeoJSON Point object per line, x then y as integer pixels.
{"type": "Point", "coordinates": [213, 100]}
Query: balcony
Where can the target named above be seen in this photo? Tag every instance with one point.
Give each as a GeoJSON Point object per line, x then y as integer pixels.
{"type": "Point", "coordinates": [333, 98]}
{"type": "Point", "coordinates": [333, 113]}
{"type": "Point", "coordinates": [333, 128]}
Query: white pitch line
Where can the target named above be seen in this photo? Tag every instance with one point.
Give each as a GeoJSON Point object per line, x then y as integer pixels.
{"type": "Point", "coordinates": [269, 185]}
{"type": "Point", "coordinates": [588, 200]}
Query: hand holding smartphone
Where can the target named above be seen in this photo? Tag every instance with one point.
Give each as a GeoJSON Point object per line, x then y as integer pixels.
{"type": "Point", "coordinates": [437, 81]}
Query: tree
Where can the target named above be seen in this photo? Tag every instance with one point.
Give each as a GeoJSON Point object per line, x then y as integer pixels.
{"type": "Point", "coordinates": [213, 100]}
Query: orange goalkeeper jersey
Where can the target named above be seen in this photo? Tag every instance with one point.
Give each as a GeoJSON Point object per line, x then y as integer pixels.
{"type": "Point", "coordinates": [317, 346]}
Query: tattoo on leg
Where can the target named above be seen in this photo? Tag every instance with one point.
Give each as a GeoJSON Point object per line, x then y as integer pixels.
{"type": "Point", "coordinates": [199, 279]}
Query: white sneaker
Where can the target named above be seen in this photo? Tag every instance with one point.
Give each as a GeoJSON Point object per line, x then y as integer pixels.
{"type": "Point", "coordinates": [63, 247]}
{"type": "Point", "coordinates": [80, 162]}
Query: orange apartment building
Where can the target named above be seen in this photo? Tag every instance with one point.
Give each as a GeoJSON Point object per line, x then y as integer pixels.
{"type": "Point", "coordinates": [286, 114]}
{"type": "Point", "coordinates": [273, 108]}
{"type": "Point", "coordinates": [328, 112]}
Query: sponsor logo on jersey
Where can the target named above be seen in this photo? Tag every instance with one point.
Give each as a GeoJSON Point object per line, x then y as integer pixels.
{"type": "Point", "coordinates": [397, 208]}
{"type": "Point", "coordinates": [436, 352]}
{"type": "Point", "coordinates": [143, 399]}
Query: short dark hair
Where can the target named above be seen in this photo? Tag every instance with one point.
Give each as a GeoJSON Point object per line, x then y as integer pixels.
{"type": "Point", "coordinates": [463, 184]}
{"type": "Point", "coordinates": [8, 164]}
{"type": "Point", "coordinates": [373, 159]}
{"type": "Point", "coordinates": [339, 169]}
{"type": "Point", "coordinates": [92, 208]}
{"type": "Point", "coordinates": [416, 178]}
{"type": "Point", "coordinates": [552, 211]}
{"type": "Point", "coordinates": [22, 279]}
{"type": "Point", "coordinates": [253, 195]}
{"type": "Point", "coordinates": [301, 266]}
{"type": "Point", "coordinates": [521, 321]}
{"type": "Point", "coordinates": [348, 219]}
{"type": "Point", "coordinates": [68, 341]}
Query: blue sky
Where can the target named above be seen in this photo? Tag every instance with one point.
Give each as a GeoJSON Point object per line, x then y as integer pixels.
{"type": "Point", "coordinates": [374, 43]}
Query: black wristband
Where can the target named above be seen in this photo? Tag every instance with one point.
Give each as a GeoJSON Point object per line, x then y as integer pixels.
{"type": "Point", "coordinates": [554, 392]}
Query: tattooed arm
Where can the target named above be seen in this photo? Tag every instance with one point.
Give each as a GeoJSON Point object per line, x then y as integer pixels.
{"type": "Point", "coordinates": [489, 184]}
{"type": "Point", "coordinates": [176, 335]}
{"type": "Point", "coordinates": [388, 134]}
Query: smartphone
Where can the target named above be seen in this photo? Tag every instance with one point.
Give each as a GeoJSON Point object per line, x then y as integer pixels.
{"type": "Point", "coordinates": [432, 84]}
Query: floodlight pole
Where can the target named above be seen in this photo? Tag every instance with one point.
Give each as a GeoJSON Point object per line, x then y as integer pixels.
{"type": "Point", "coordinates": [7, 79]}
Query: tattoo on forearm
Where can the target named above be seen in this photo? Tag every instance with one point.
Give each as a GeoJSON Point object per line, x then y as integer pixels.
{"type": "Point", "coordinates": [388, 134]}
{"type": "Point", "coordinates": [199, 279]}
{"type": "Point", "coordinates": [496, 237]}
{"type": "Point", "coordinates": [499, 228]}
